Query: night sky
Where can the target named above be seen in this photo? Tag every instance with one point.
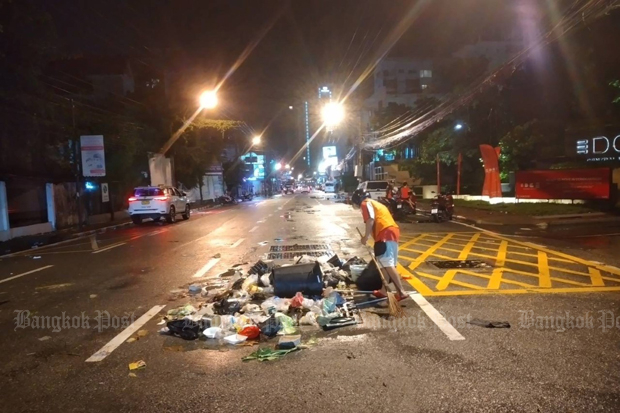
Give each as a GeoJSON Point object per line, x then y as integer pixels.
{"type": "Point", "coordinates": [299, 44]}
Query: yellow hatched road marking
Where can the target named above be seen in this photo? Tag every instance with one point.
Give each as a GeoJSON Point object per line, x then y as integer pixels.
{"type": "Point", "coordinates": [459, 283]}
{"type": "Point", "coordinates": [414, 281]}
{"type": "Point", "coordinates": [595, 277]}
{"type": "Point", "coordinates": [544, 276]}
{"type": "Point", "coordinates": [428, 253]}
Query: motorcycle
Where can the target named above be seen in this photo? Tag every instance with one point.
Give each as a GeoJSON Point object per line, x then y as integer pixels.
{"type": "Point", "coordinates": [227, 200]}
{"type": "Point", "coordinates": [406, 206]}
{"type": "Point", "coordinates": [442, 208]}
{"type": "Point", "coordinates": [248, 196]}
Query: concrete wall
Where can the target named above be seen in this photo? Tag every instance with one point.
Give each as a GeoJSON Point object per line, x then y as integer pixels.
{"type": "Point", "coordinates": [65, 205]}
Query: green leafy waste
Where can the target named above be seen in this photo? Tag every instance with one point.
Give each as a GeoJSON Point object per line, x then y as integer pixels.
{"type": "Point", "coordinates": [267, 354]}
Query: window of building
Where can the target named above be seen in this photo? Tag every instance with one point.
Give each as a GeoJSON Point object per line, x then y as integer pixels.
{"type": "Point", "coordinates": [423, 86]}
{"type": "Point", "coordinates": [412, 85]}
{"type": "Point", "coordinates": [390, 85]}
{"type": "Point", "coordinates": [426, 73]}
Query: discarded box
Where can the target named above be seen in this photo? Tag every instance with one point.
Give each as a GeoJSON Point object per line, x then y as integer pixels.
{"type": "Point", "coordinates": [288, 342]}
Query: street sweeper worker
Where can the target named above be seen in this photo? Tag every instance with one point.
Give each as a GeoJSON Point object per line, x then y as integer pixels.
{"type": "Point", "coordinates": [385, 232]}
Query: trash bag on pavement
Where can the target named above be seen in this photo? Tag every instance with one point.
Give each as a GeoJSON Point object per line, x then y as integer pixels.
{"type": "Point", "coordinates": [227, 307]}
{"type": "Point", "coordinates": [297, 301]}
{"type": "Point", "coordinates": [369, 279]}
{"type": "Point", "coordinates": [186, 329]}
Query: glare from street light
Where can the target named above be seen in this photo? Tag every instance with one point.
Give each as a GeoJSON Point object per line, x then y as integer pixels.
{"type": "Point", "coordinates": [208, 99]}
{"type": "Point", "coordinates": [290, 107]}
{"type": "Point", "coordinates": [314, 173]}
{"type": "Point", "coordinates": [458, 126]}
{"type": "Point", "coordinates": [333, 113]}
{"type": "Point", "coordinates": [256, 140]}
{"type": "Point", "coordinates": [288, 166]}
{"type": "Point", "coordinates": [278, 166]}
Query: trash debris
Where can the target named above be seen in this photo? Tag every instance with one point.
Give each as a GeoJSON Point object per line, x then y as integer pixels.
{"type": "Point", "coordinates": [307, 278]}
{"type": "Point", "coordinates": [263, 243]}
{"type": "Point", "coordinates": [218, 255]}
{"type": "Point", "coordinates": [195, 289]}
{"type": "Point", "coordinates": [181, 312]}
{"type": "Point", "coordinates": [270, 327]}
{"type": "Point", "coordinates": [93, 296]}
{"type": "Point", "coordinates": [235, 339]}
{"type": "Point", "coordinates": [133, 375]}
{"type": "Point", "coordinates": [289, 342]}
{"type": "Point", "coordinates": [213, 332]}
{"type": "Point", "coordinates": [142, 333]}
{"type": "Point", "coordinates": [250, 331]}
{"type": "Point", "coordinates": [44, 338]}
{"type": "Point", "coordinates": [267, 354]}
{"type": "Point", "coordinates": [131, 340]}
{"type": "Point", "coordinates": [489, 324]}
{"type": "Point", "coordinates": [137, 365]}
{"type": "Point", "coordinates": [36, 257]}
{"type": "Point", "coordinates": [185, 328]}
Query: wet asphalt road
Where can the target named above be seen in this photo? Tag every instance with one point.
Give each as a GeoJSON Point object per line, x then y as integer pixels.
{"type": "Point", "coordinates": [377, 366]}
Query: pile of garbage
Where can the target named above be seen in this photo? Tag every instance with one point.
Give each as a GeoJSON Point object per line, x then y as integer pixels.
{"type": "Point", "coordinates": [266, 301]}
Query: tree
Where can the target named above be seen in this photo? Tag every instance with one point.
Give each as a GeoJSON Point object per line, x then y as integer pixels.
{"type": "Point", "coordinates": [234, 173]}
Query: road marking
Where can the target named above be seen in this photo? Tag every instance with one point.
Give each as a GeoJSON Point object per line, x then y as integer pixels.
{"type": "Point", "coordinates": [260, 203]}
{"type": "Point", "coordinates": [93, 243]}
{"type": "Point", "coordinates": [157, 232]}
{"type": "Point", "coordinates": [109, 248]}
{"type": "Point", "coordinates": [544, 275]}
{"type": "Point", "coordinates": [124, 335]}
{"type": "Point", "coordinates": [25, 273]}
{"type": "Point", "coordinates": [345, 225]}
{"type": "Point", "coordinates": [465, 252]}
{"type": "Point", "coordinates": [236, 244]}
{"type": "Point", "coordinates": [437, 318]}
{"type": "Point", "coordinates": [253, 229]}
{"type": "Point", "coordinates": [210, 264]}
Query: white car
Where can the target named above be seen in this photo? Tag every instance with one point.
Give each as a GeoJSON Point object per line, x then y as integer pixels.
{"type": "Point", "coordinates": [157, 202]}
{"type": "Point", "coordinates": [304, 189]}
{"type": "Point", "coordinates": [330, 187]}
{"type": "Point", "coordinates": [376, 189]}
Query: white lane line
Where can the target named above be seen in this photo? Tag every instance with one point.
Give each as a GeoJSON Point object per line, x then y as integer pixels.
{"type": "Point", "coordinates": [157, 232]}
{"type": "Point", "coordinates": [124, 335]}
{"type": "Point", "coordinates": [210, 264]}
{"type": "Point", "coordinates": [437, 318]}
{"type": "Point", "coordinates": [345, 225]}
{"type": "Point", "coordinates": [253, 229]}
{"type": "Point", "coordinates": [236, 244]}
{"type": "Point", "coordinates": [260, 203]}
{"type": "Point", "coordinates": [109, 248]}
{"type": "Point", "coordinates": [25, 273]}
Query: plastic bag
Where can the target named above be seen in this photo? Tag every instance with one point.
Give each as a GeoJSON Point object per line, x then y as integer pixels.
{"type": "Point", "coordinates": [249, 282]}
{"type": "Point", "coordinates": [288, 325]}
{"type": "Point", "coordinates": [241, 322]}
{"type": "Point", "coordinates": [250, 332]}
{"type": "Point", "coordinates": [275, 303]}
{"type": "Point", "coordinates": [270, 327]}
{"type": "Point", "coordinates": [328, 305]}
{"type": "Point", "coordinates": [186, 329]}
{"type": "Point", "coordinates": [308, 320]}
{"type": "Point", "coordinates": [308, 303]}
{"type": "Point", "coordinates": [251, 308]}
{"type": "Point", "coordinates": [297, 301]}
{"type": "Point", "coordinates": [265, 280]}
{"type": "Point", "coordinates": [235, 339]}
{"type": "Point", "coordinates": [227, 323]}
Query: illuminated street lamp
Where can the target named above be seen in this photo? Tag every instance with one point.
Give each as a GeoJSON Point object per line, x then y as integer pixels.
{"type": "Point", "coordinates": [278, 166]}
{"type": "Point", "coordinates": [333, 114]}
{"type": "Point", "coordinates": [256, 140]}
{"type": "Point", "coordinates": [458, 126]}
{"type": "Point", "coordinates": [314, 173]}
{"type": "Point", "coordinates": [288, 166]}
{"type": "Point", "coordinates": [290, 107]}
{"type": "Point", "coordinates": [208, 99]}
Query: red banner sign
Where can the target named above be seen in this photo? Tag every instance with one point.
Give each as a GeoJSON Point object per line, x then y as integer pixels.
{"type": "Point", "coordinates": [564, 184]}
{"type": "Point", "coordinates": [492, 183]}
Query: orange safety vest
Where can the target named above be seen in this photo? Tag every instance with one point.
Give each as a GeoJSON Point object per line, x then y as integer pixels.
{"type": "Point", "coordinates": [383, 217]}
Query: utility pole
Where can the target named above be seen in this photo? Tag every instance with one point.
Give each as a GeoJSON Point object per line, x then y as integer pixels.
{"type": "Point", "coordinates": [78, 169]}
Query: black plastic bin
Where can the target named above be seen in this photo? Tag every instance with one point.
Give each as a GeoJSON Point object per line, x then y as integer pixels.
{"type": "Point", "coordinates": [304, 278]}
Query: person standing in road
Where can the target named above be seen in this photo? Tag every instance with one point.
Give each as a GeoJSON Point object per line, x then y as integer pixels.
{"type": "Point", "coordinates": [385, 232]}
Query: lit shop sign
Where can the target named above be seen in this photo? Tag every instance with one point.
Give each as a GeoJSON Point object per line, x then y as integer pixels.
{"type": "Point", "coordinates": [600, 148]}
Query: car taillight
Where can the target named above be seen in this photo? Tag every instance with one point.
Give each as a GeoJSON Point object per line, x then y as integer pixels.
{"type": "Point", "coordinates": [133, 198]}
{"type": "Point", "coordinates": [160, 198]}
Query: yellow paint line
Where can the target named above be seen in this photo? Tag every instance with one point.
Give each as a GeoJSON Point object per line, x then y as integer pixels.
{"type": "Point", "coordinates": [495, 279]}
{"type": "Point", "coordinates": [413, 241]}
{"type": "Point", "coordinates": [554, 279]}
{"type": "Point", "coordinates": [501, 254]}
{"type": "Point", "coordinates": [595, 276]}
{"type": "Point", "coordinates": [413, 280]}
{"type": "Point", "coordinates": [523, 291]}
{"type": "Point", "coordinates": [562, 255]}
{"type": "Point", "coordinates": [504, 280]}
{"type": "Point", "coordinates": [428, 252]}
{"type": "Point", "coordinates": [446, 280]}
{"type": "Point", "coordinates": [468, 246]}
{"type": "Point", "coordinates": [459, 283]}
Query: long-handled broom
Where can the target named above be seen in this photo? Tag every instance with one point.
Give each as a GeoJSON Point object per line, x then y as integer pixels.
{"type": "Point", "coordinates": [393, 304]}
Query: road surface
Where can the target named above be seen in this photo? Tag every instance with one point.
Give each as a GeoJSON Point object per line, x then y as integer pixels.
{"type": "Point", "coordinates": [561, 298]}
